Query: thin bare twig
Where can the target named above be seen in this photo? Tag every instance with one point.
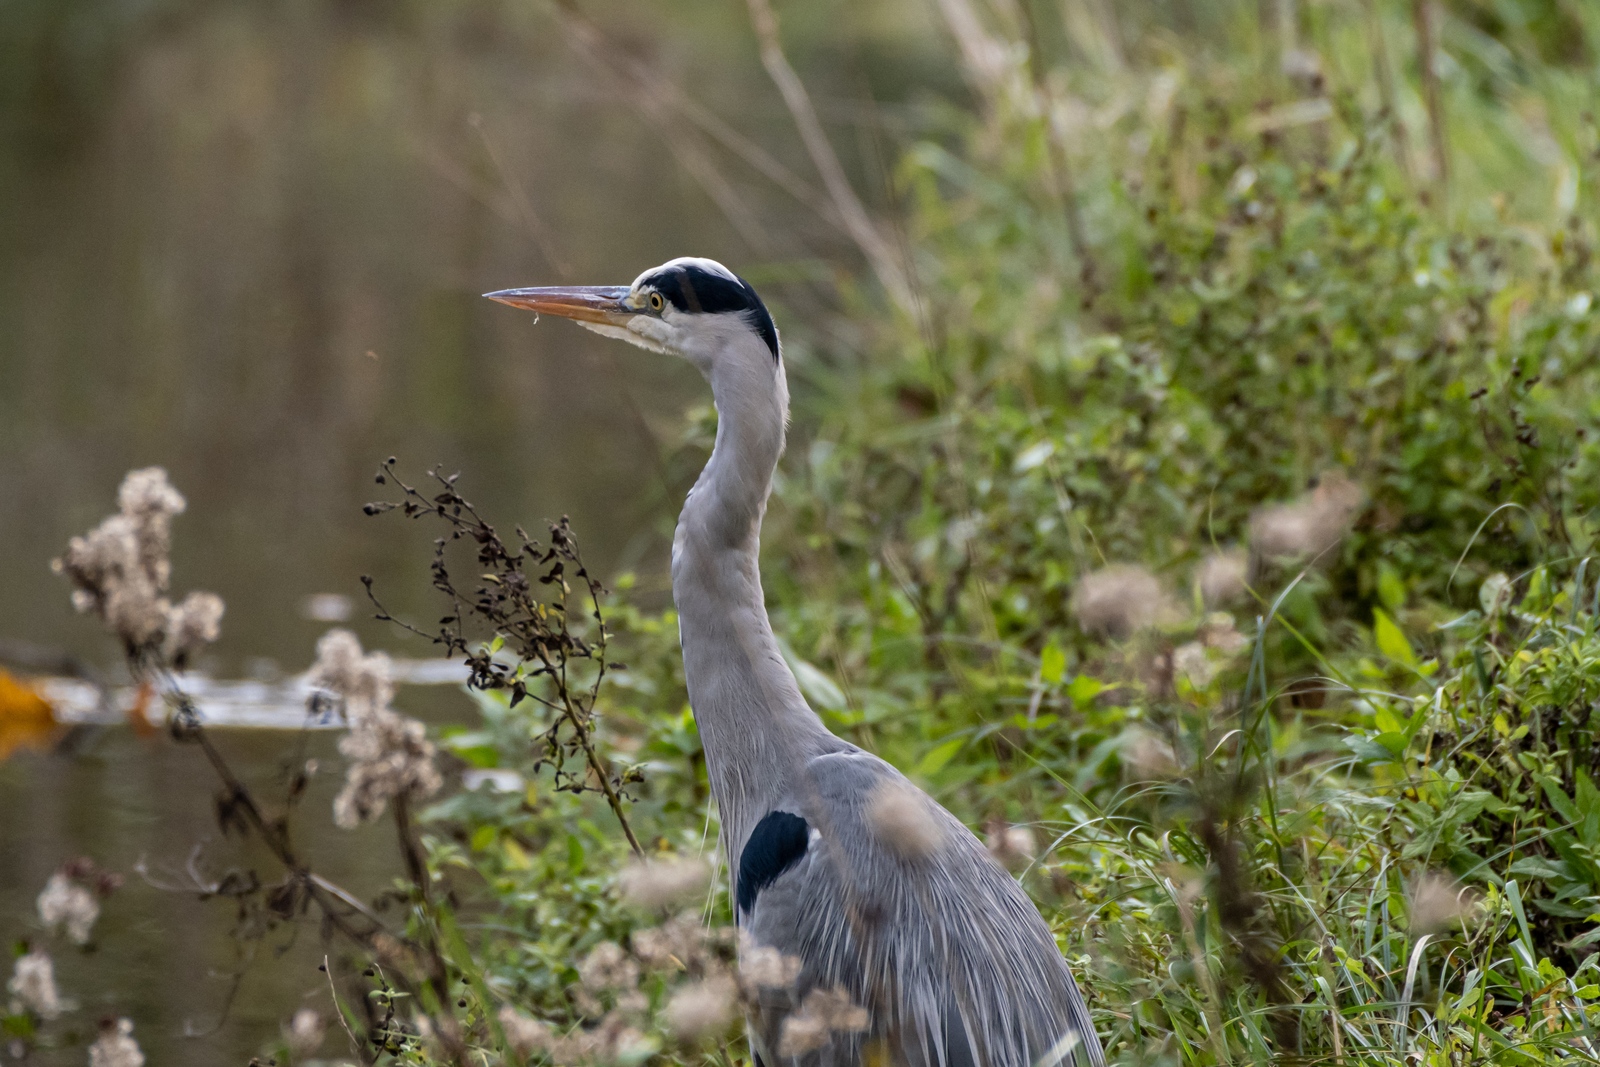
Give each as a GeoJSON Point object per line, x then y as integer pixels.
{"type": "Point", "coordinates": [868, 237]}
{"type": "Point", "coordinates": [1422, 17]}
{"type": "Point", "coordinates": [1063, 186]}
{"type": "Point", "coordinates": [683, 143]}
{"type": "Point", "coordinates": [536, 630]}
{"type": "Point", "coordinates": [641, 78]}
{"type": "Point", "coordinates": [338, 1010]}
{"type": "Point", "coordinates": [519, 197]}
{"type": "Point", "coordinates": [1379, 44]}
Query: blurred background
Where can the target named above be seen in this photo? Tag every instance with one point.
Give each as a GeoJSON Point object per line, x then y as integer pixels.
{"type": "Point", "coordinates": [246, 242]}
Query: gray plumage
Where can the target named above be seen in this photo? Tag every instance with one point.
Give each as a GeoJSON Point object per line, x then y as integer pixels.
{"type": "Point", "coordinates": [881, 893]}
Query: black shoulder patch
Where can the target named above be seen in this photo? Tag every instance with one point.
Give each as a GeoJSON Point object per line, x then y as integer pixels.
{"type": "Point", "coordinates": [776, 844]}
{"type": "Point", "coordinates": [694, 289]}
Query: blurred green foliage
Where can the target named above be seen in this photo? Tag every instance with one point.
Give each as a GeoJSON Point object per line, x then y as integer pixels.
{"type": "Point", "coordinates": [1344, 812]}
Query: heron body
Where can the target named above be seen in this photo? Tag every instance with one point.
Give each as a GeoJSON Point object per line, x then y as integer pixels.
{"type": "Point", "coordinates": [914, 946]}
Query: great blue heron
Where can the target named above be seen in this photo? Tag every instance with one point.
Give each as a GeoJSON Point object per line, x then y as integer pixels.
{"type": "Point", "coordinates": [837, 859]}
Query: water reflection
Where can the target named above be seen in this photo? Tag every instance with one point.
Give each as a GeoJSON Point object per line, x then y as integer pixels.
{"type": "Point", "coordinates": [246, 243]}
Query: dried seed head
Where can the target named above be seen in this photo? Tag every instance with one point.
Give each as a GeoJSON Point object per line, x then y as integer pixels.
{"type": "Point", "coordinates": [1223, 578]}
{"type": "Point", "coordinates": [764, 967]}
{"type": "Point", "coordinates": [659, 885]}
{"type": "Point", "coordinates": [1147, 757]}
{"type": "Point", "coordinates": [192, 625]}
{"type": "Point", "coordinates": [390, 755]}
{"type": "Point", "coordinates": [523, 1034]}
{"type": "Point", "coordinates": [1438, 902]}
{"type": "Point", "coordinates": [65, 903]}
{"type": "Point", "coordinates": [1189, 661]}
{"type": "Point", "coordinates": [1012, 846]}
{"type": "Point", "coordinates": [822, 1013]}
{"type": "Point", "coordinates": [1218, 632]}
{"type": "Point", "coordinates": [147, 496]}
{"type": "Point", "coordinates": [680, 943]}
{"type": "Point", "coordinates": [904, 819]}
{"type": "Point", "coordinates": [116, 1047]}
{"type": "Point", "coordinates": [363, 681]}
{"type": "Point", "coordinates": [613, 1040]}
{"type": "Point", "coordinates": [1311, 525]}
{"type": "Point", "coordinates": [1119, 601]}
{"type": "Point", "coordinates": [702, 1009]}
{"type": "Point", "coordinates": [120, 571]}
{"type": "Point", "coordinates": [608, 967]}
{"type": "Point", "coordinates": [305, 1033]}
{"type": "Point", "coordinates": [33, 982]}
{"type": "Point", "coordinates": [801, 1034]}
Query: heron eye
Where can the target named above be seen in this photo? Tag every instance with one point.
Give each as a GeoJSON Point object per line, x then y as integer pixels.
{"type": "Point", "coordinates": [656, 303]}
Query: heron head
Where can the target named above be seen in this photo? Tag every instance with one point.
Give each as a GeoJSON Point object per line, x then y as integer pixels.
{"type": "Point", "coordinates": [689, 307]}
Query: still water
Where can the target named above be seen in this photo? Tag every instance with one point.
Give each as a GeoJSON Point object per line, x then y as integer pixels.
{"type": "Point", "coordinates": [246, 243]}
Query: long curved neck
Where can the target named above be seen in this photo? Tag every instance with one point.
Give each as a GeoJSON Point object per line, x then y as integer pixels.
{"type": "Point", "coordinates": [754, 724]}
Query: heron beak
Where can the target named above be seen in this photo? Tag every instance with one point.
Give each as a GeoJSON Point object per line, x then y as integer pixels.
{"type": "Point", "coordinates": [606, 304]}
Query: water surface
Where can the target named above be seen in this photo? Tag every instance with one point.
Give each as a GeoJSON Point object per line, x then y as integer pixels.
{"type": "Point", "coordinates": [246, 243]}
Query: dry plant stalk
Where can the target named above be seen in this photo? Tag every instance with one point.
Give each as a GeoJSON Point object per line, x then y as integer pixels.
{"type": "Point", "coordinates": [988, 63]}
{"type": "Point", "coordinates": [886, 263]}
{"type": "Point", "coordinates": [648, 87]}
{"type": "Point", "coordinates": [1422, 16]}
{"type": "Point", "coordinates": [538, 631]}
{"type": "Point", "coordinates": [650, 95]}
{"type": "Point", "coordinates": [120, 572]}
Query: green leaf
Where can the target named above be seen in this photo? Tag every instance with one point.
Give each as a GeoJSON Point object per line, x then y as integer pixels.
{"type": "Point", "coordinates": [1391, 587]}
{"type": "Point", "coordinates": [1052, 664]}
{"type": "Point", "coordinates": [1391, 642]}
{"type": "Point", "coordinates": [476, 747]}
{"type": "Point", "coordinates": [483, 837]}
{"type": "Point", "coordinates": [575, 854]}
{"type": "Point", "coordinates": [942, 754]}
{"type": "Point", "coordinates": [1083, 689]}
{"type": "Point", "coordinates": [1514, 896]}
{"type": "Point", "coordinates": [517, 857]}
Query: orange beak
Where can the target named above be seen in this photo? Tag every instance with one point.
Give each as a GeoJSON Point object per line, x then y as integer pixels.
{"type": "Point", "coordinates": [587, 303]}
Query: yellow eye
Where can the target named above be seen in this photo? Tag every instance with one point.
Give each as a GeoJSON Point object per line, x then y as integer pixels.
{"type": "Point", "coordinates": [656, 303]}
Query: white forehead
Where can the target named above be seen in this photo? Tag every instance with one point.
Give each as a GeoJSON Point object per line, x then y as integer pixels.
{"type": "Point", "coordinates": [710, 266]}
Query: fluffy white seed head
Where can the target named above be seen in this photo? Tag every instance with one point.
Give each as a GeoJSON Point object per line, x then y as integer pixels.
{"type": "Point", "coordinates": [1190, 662]}
{"type": "Point", "coordinates": [1222, 578]}
{"type": "Point", "coordinates": [390, 755]}
{"type": "Point", "coordinates": [525, 1035]}
{"type": "Point", "coordinates": [121, 570]}
{"type": "Point", "coordinates": [904, 820]}
{"type": "Point", "coordinates": [703, 1009]}
{"type": "Point", "coordinates": [664, 884]}
{"type": "Point", "coordinates": [116, 1047]}
{"type": "Point", "coordinates": [64, 904]}
{"type": "Point", "coordinates": [305, 1033]}
{"type": "Point", "coordinates": [822, 1013]}
{"type": "Point", "coordinates": [1310, 526]}
{"type": "Point", "coordinates": [1438, 902]}
{"type": "Point", "coordinates": [679, 944]}
{"type": "Point", "coordinates": [33, 983]}
{"type": "Point", "coordinates": [1148, 758]}
{"type": "Point", "coordinates": [608, 967]}
{"type": "Point", "coordinates": [1119, 600]}
{"type": "Point", "coordinates": [764, 967]}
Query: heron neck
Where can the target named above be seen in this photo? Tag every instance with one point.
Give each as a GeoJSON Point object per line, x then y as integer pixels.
{"type": "Point", "coordinates": [754, 724]}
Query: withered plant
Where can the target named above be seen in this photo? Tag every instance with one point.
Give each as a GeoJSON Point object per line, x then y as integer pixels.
{"type": "Point", "coordinates": [522, 629]}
